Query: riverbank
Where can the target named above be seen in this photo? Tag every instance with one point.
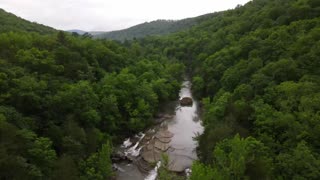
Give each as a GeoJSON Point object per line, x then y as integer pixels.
{"type": "Point", "coordinates": [174, 137]}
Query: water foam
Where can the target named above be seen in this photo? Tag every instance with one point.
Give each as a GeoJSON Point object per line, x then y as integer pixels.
{"type": "Point", "coordinates": [153, 173]}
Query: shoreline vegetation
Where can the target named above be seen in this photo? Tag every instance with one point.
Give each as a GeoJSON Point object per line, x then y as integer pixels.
{"type": "Point", "coordinates": [65, 98]}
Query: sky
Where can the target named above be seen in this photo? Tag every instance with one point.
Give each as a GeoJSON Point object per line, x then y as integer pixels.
{"type": "Point", "coordinates": [108, 15]}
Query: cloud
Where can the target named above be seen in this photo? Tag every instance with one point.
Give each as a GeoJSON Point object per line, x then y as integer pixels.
{"type": "Point", "coordinates": [110, 14]}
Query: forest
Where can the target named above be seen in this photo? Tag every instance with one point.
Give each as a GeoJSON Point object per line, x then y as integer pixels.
{"type": "Point", "coordinates": [257, 70]}
{"type": "Point", "coordinates": [10, 22]}
{"type": "Point", "coordinates": [66, 99]}
{"type": "Point", "coordinates": [154, 28]}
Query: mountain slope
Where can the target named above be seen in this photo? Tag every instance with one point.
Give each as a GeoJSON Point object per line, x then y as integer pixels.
{"type": "Point", "coordinates": [256, 69]}
{"type": "Point", "coordinates": [158, 27]}
{"type": "Point", "coordinates": [80, 32]}
{"type": "Point", "coordinates": [64, 99]}
{"type": "Point", "coordinates": [11, 22]}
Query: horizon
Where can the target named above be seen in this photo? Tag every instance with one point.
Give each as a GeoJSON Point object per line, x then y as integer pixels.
{"type": "Point", "coordinates": [106, 16]}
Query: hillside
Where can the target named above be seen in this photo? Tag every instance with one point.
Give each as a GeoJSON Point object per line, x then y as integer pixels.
{"type": "Point", "coordinates": [11, 22]}
{"type": "Point", "coordinates": [80, 32]}
{"type": "Point", "coordinates": [65, 99]}
{"type": "Point", "coordinates": [256, 69]}
{"type": "Point", "coordinates": [154, 28]}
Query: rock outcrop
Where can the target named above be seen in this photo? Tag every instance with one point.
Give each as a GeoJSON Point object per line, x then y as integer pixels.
{"type": "Point", "coordinates": [186, 101]}
{"type": "Point", "coordinates": [158, 145]}
{"type": "Point", "coordinates": [153, 144]}
{"type": "Point", "coordinates": [159, 118]}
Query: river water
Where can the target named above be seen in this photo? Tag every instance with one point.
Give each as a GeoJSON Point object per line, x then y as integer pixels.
{"type": "Point", "coordinates": [185, 124]}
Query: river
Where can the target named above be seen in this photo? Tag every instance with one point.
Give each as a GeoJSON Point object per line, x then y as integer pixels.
{"type": "Point", "coordinates": [184, 124]}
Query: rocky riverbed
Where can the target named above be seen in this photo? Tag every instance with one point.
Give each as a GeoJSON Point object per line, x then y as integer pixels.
{"type": "Point", "coordinates": [139, 156]}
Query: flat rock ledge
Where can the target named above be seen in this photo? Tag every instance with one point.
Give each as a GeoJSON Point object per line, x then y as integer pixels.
{"type": "Point", "coordinates": [157, 145]}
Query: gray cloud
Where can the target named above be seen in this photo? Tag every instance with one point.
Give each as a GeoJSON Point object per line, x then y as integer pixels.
{"type": "Point", "coordinates": [109, 15]}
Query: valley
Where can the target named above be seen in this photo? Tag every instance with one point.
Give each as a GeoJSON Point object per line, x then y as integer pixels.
{"type": "Point", "coordinates": [119, 106]}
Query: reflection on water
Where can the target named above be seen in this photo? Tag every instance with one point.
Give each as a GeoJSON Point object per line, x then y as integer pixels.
{"type": "Point", "coordinates": [185, 125]}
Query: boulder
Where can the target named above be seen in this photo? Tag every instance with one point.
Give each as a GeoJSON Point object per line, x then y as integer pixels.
{"type": "Point", "coordinates": [186, 101]}
{"type": "Point", "coordinates": [159, 115]}
{"type": "Point", "coordinates": [118, 156]}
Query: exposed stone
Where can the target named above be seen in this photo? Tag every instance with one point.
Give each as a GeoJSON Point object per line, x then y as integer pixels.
{"type": "Point", "coordinates": [149, 147]}
{"type": "Point", "coordinates": [168, 116]}
{"type": "Point", "coordinates": [186, 101]}
{"type": "Point", "coordinates": [159, 115]}
{"type": "Point", "coordinates": [158, 120]}
{"type": "Point", "coordinates": [143, 165]}
{"type": "Point", "coordinates": [164, 134]}
{"type": "Point", "coordinates": [118, 156]}
{"type": "Point", "coordinates": [163, 139]}
{"type": "Point", "coordinates": [178, 163]}
{"type": "Point", "coordinates": [161, 146]}
{"type": "Point", "coordinates": [151, 156]}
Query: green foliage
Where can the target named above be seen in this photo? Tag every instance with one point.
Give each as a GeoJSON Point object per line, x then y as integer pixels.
{"type": "Point", "coordinates": [65, 168]}
{"type": "Point", "coordinates": [307, 166]}
{"type": "Point", "coordinates": [203, 172]}
{"type": "Point", "coordinates": [198, 85]}
{"type": "Point", "coordinates": [256, 68]}
{"type": "Point", "coordinates": [235, 158]}
{"type": "Point", "coordinates": [153, 28]}
{"type": "Point", "coordinates": [42, 154]}
{"type": "Point", "coordinates": [163, 171]}
{"type": "Point", "coordinates": [98, 165]}
{"type": "Point", "coordinates": [10, 22]}
{"type": "Point", "coordinates": [62, 96]}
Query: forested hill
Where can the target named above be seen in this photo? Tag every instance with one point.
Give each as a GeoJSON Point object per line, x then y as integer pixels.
{"type": "Point", "coordinates": [65, 99]}
{"type": "Point", "coordinates": [11, 22]}
{"type": "Point", "coordinates": [158, 27]}
{"type": "Point", "coordinates": [257, 70]}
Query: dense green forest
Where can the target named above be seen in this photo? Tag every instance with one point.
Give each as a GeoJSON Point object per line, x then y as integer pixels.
{"type": "Point", "coordinates": [10, 22]}
{"type": "Point", "coordinates": [257, 70]}
{"type": "Point", "coordinates": [154, 28]}
{"type": "Point", "coordinates": [64, 99]}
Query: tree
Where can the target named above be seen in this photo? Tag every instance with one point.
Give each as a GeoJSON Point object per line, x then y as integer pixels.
{"type": "Point", "coordinates": [203, 172]}
{"type": "Point", "coordinates": [236, 158]}
{"type": "Point", "coordinates": [163, 170]}
{"type": "Point", "coordinates": [198, 85]}
{"type": "Point", "coordinates": [61, 38]}
{"type": "Point", "coordinates": [42, 155]}
{"type": "Point", "coordinates": [65, 169]}
{"type": "Point", "coordinates": [98, 165]}
{"type": "Point", "coordinates": [307, 166]}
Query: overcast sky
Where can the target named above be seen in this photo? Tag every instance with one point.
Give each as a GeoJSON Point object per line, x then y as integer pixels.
{"type": "Point", "coordinates": [106, 15]}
